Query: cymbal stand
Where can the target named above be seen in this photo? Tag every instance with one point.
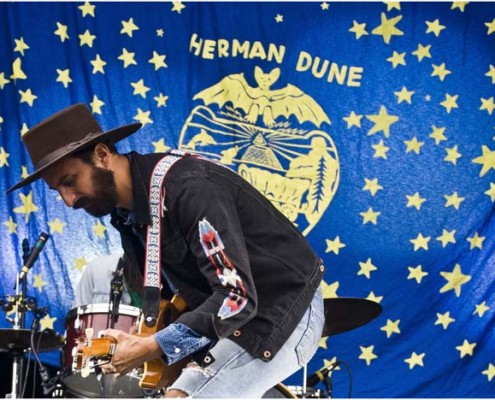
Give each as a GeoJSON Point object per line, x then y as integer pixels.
{"type": "Point", "coordinates": [17, 356]}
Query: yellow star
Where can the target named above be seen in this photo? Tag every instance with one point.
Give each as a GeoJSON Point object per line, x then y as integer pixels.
{"type": "Point", "coordinates": [127, 58]}
{"type": "Point", "coordinates": [421, 242]}
{"type": "Point", "coordinates": [99, 229]}
{"type": "Point", "coordinates": [28, 97]}
{"type": "Point", "coordinates": [422, 52]}
{"type": "Point", "coordinates": [366, 268]}
{"type": "Point", "coordinates": [446, 237]}
{"type": "Point", "coordinates": [24, 173]}
{"type": "Point", "coordinates": [481, 309]}
{"type": "Point", "coordinates": [27, 207]}
{"type": "Point", "coordinates": [490, 74]}
{"type": "Point", "coordinates": [39, 282]}
{"type": "Point", "coordinates": [80, 263]}
{"type": "Point", "coordinates": [3, 158]}
{"type": "Point", "coordinates": [17, 72]}
{"type": "Point", "coordinates": [491, 192]}
{"type": "Point", "coordinates": [323, 342]}
{"type": "Point", "coordinates": [392, 5]}
{"type": "Point", "coordinates": [86, 39]}
{"type": "Point", "coordinates": [87, 9]}
{"type": "Point", "coordinates": [413, 145]}
{"type": "Point", "coordinates": [440, 71]}
{"type": "Point", "coordinates": [160, 146]}
{"type": "Point", "coordinates": [435, 27]}
{"type": "Point", "coordinates": [459, 4]}
{"type": "Point", "coordinates": [372, 185]}
{"type": "Point", "coordinates": [453, 200]}
{"type": "Point", "coordinates": [450, 102]}
{"type": "Point", "coordinates": [353, 120]}
{"type": "Point", "coordinates": [452, 154]}
{"type": "Point", "coordinates": [3, 80]}
{"type": "Point", "coordinates": [63, 76]}
{"type": "Point", "coordinates": [487, 159]}
{"type": "Point", "coordinates": [11, 225]}
{"type": "Point", "coordinates": [370, 216]}
{"type": "Point", "coordinates": [279, 18]}
{"type": "Point", "coordinates": [330, 290]}
{"type": "Point", "coordinates": [489, 372]}
{"type": "Point", "coordinates": [455, 280]}
{"type": "Point", "coordinates": [444, 319]}
{"type": "Point", "coordinates": [129, 27]}
{"type": "Point", "coordinates": [324, 6]}
{"type": "Point", "coordinates": [56, 226]}
{"type": "Point", "coordinates": [160, 32]}
{"type": "Point", "coordinates": [490, 26]}
{"type": "Point", "coordinates": [367, 354]}
{"type": "Point", "coordinates": [24, 129]}
{"type": "Point", "coordinates": [380, 150]}
{"type": "Point", "coordinates": [387, 28]}
{"type": "Point", "coordinates": [415, 359]}
{"type": "Point", "coordinates": [358, 29]}
{"type": "Point", "coordinates": [404, 95]}
{"type": "Point", "coordinates": [382, 122]}
{"type": "Point", "coordinates": [375, 298]}
{"type": "Point", "coordinates": [158, 61]}
{"type": "Point", "coordinates": [139, 88]}
{"type": "Point", "coordinates": [391, 327]}
{"type": "Point", "coordinates": [416, 273]}
{"type": "Point", "coordinates": [466, 348]}
{"type": "Point", "coordinates": [415, 200]}
{"type": "Point", "coordinates": [397, 59]}
{"type": "Point", "coordinates": [438, 135]}
{"type": "Point", "coordinates": [46, 322]}
{"type": "Point", "coordinates": [178, 6]}
{"type": "Point", "coordinates": [98, 64]}
{"type": "Point", "coordinates": [20, 45]}
{"type": "Point", "coordinates": [143, 117]}
{"type": "Point", "coordinates": [334, 245]}
{"type": "Point", "coordinates": [488, 105]}
{"type": "Point", "coordinates": [96, 105]}
{"type": "Point", "coordinates": [161, 100]}
{"type": "Point", "coordinates": [62, 32]}
{"type": "Point", "coordinates": [476, 241]}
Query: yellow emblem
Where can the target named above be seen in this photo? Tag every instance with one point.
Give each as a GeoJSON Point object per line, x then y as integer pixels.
{"type": "Point", "coordinates": [272, 137]}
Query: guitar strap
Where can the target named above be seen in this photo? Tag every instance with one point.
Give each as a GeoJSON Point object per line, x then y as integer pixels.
{"type": "Point", "coordinates": [152, 270]}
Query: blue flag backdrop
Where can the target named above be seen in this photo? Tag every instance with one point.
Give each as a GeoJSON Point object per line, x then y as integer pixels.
{"type": "Point", "coordinates": [370, 125]}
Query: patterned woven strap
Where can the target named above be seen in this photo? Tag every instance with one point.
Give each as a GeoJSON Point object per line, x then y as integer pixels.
{"type": "Point", "coordinates": [152, 273]}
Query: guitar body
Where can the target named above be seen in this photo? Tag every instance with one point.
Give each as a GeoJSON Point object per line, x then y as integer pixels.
{"type": "Point", "coordinates": [157, 374]}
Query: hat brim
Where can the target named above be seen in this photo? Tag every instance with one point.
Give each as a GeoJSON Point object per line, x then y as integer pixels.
{"type": "Point", "coordinates": [112, 136]}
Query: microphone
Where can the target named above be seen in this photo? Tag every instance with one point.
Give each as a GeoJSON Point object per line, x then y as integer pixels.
{"type": "Point", "coordinates": [40, 243]}
{"type": "Point", "coordinates": [319, 376]}
{"type": "Point", "coordinates": [25, 250]}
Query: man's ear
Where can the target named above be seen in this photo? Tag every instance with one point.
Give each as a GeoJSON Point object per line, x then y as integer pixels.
{"type": "Point", "coordinates": [101, 155]}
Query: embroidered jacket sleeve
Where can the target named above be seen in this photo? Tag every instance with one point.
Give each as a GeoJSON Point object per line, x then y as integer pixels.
{"type": "Point", "coordinates": [204, 207]}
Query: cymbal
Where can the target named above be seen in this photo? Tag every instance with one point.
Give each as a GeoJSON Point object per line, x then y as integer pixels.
{"type": "Point", "coordinates": [20, 339]}
{"type": "Point", "coordinates": [345, 313]}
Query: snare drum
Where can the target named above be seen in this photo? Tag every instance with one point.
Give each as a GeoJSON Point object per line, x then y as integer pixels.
{"type": "Point", "coordinates": [98, 317]}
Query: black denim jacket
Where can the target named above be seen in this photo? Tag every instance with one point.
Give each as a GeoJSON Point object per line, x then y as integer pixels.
{"type": "Point", "coordinates": [277, 267]}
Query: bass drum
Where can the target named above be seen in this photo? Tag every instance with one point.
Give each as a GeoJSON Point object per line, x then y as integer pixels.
{"type": "Point", "coordinates": [279, 391]}
{"type": "Point", "coordinates": [98, 317]}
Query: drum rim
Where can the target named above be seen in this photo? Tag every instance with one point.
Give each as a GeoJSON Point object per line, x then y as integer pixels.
{"type": "Point", "coordinates": [103, 308]}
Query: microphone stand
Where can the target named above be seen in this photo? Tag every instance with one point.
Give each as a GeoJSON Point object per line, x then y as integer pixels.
{"type": "Point", "coordinates": [116, 289]}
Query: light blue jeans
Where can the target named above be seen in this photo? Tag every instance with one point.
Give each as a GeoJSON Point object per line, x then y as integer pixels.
{"type": "Point", "coordinates": [237, 374]}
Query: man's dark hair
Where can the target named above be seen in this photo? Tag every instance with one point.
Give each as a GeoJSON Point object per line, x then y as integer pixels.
{"type": "Point", "coordinates": [86, 155]}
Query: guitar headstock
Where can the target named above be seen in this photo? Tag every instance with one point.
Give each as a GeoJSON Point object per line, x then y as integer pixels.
{"type": "Point", "coordinates": [90, 350]}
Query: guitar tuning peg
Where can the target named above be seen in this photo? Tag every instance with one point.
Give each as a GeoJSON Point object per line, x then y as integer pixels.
{"type": "Point", "coordinates": [89, 333]}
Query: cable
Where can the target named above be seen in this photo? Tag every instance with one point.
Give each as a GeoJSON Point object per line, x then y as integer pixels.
{"type": "Point", "coordinates": [348, 369]}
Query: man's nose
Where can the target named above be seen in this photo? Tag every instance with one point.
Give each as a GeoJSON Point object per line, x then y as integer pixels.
{"type": "Point", "coordinates": [68, 196]}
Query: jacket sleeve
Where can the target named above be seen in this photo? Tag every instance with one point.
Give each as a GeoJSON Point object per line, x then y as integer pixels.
{"type": "Point", "coordinates": [205, 211]}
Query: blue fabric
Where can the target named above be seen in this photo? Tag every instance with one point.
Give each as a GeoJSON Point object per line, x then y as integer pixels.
{"type": "Point", "coordinates": [399, 121]}
{"type": "Point", "coordinates": [178, 341]}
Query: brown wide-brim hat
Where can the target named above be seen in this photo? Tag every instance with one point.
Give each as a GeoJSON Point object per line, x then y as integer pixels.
{"type": "Point", "coordinates": [65, 133]}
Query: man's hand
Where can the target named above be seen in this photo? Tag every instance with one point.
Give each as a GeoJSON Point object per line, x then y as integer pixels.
{"type": "Point", "coordinates": [132, 352]}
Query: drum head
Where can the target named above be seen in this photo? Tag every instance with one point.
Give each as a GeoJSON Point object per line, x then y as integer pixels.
{"type": "Point", "coordinates": [279, 391]}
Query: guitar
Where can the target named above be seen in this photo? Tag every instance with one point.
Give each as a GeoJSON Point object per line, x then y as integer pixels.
{"type": "Point", "coordinates": [156, 374]}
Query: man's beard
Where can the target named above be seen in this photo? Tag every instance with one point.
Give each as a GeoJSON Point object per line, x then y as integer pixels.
{"type": "Point", "coordinates": [104, 199]}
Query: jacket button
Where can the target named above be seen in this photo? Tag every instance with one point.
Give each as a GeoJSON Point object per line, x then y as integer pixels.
{"type": "Point", "coordinates": [267, 354]}
{"type": "Point", "coordinates": [322, 268]}
{"type": "Point", "coordinates": [237, 333]}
